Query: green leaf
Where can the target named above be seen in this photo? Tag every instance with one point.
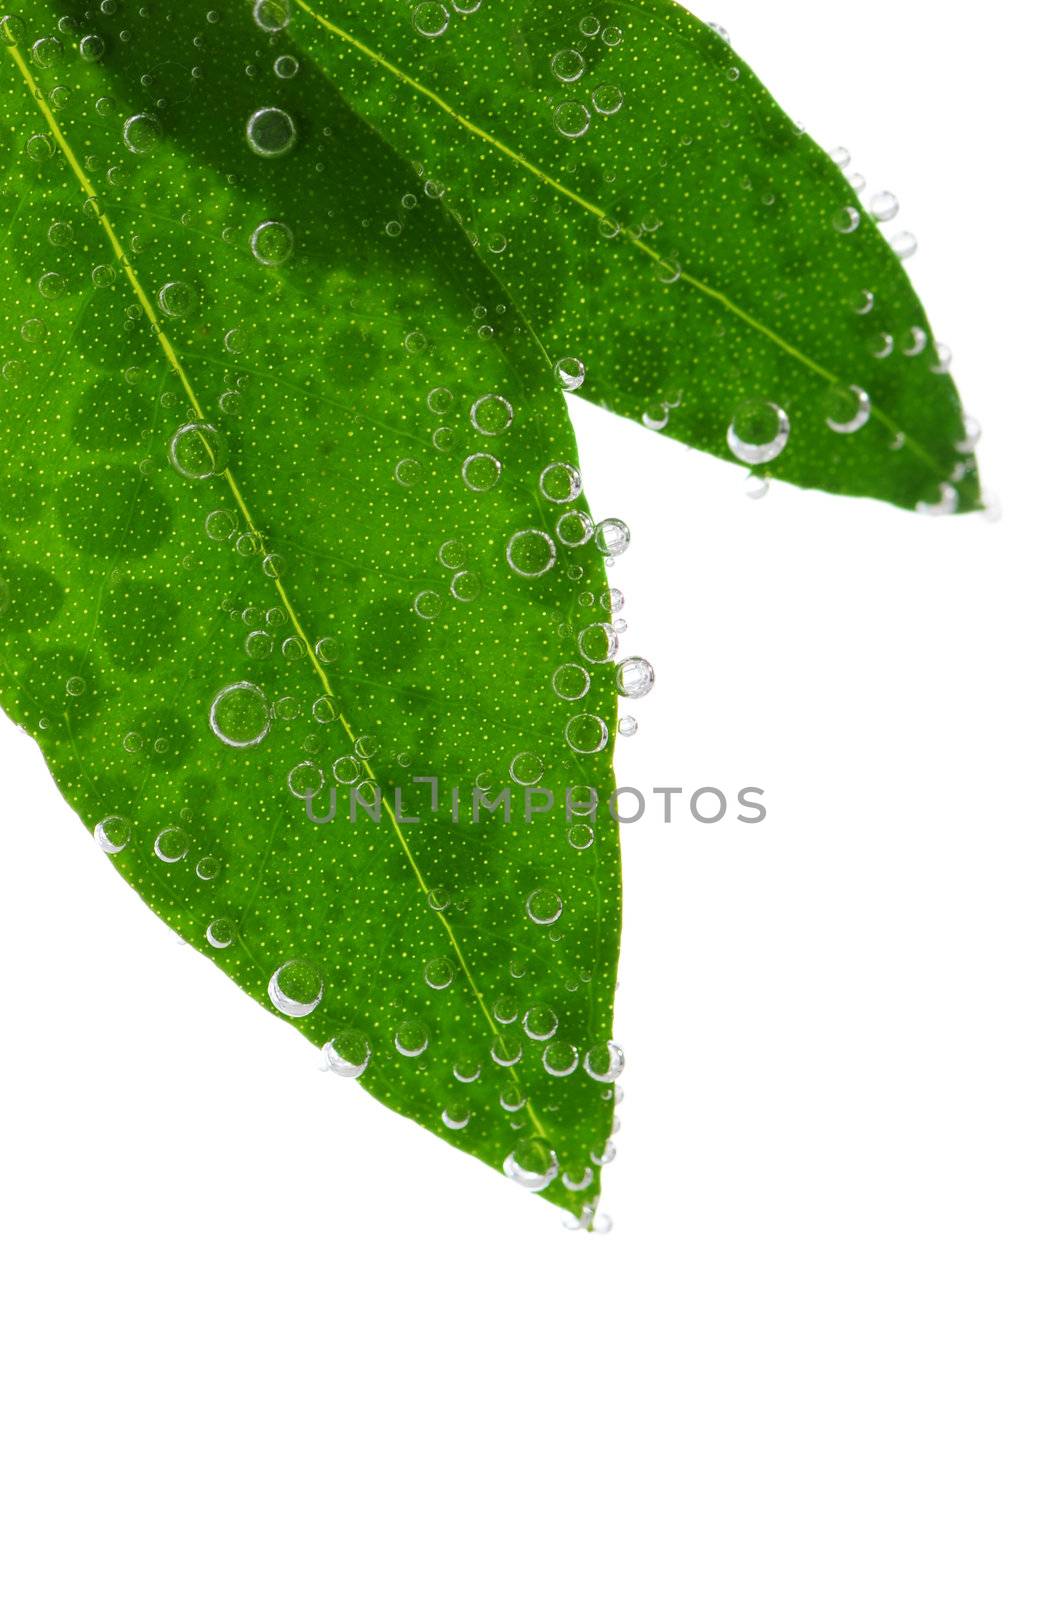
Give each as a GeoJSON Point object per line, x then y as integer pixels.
{"type": "Point", "coordinates": [658, 218]}
{"type": "Point", "coordinates": [241, 562]}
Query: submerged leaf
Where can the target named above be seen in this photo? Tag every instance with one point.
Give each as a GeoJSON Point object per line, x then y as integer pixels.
{"type": "Point", "coordinates": [668, 230]}
{"type": "Point", "coordinates": [269, 436]}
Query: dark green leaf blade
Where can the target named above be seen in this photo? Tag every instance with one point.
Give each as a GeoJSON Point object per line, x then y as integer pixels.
{"type": "Point", "coordinates": [658, 217]}
{"type": "Point", "coordinates": [241, 563]}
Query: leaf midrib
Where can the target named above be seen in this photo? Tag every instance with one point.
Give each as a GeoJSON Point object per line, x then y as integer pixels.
{"type": "Point", "coordinates": [174, 360]}
{"type": "Point", "coordinates": [723, 300]}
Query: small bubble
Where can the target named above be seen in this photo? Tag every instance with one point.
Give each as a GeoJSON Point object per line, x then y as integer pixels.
{"type": "Point", "coordinates": [570, 373]}
{"type": "Point", "coordinates": [567, 65]}
{"type": "Point", "coordinates": [586, 734]}
{"type": "Point", "coordinates": [848, 409]}
{"type": "Point", "coordinates": [112, 834]}
{"type": "Point", "coordinates": [492, 414]}
{"type": "Point", "coordinates": [141, 133]}
{"type": "Point", "coordinates": [347, 1053]}
{"type": "Point", "coordinates": [296, 988]}
{"type": "Point", "coordinates": [883, 206]}
{"type": "Point", "coordinates": [758, 432]}
{"type": "Point", "coordinates": [612, 536]}
{"type": "Point", "coordinates": [198, 450]}
{"type": "Point", "coordinates": [430, 19]}
{"type": "Point", "coordinates": [240, 715]}
{"type": "Point", "coordinates": [560, 482]}
{"type": "Point", "coordinates": [572, 119]}
{"type": "Point", "coordinates": [634, 677]}
{"type": "Point", "coordinates": [481, 471]}
{"type": "Point", "coordinates": [270, 132]}
{"type": "Point", "coordinates": [531, 553]}
{"type": "Point", "coordinates": [271, 243]}
{"type": "Point", "coordinates": [607, 99]}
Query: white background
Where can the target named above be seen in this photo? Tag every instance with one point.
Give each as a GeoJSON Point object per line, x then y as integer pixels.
{"type": "Point", "coordinates": [264, 1338]}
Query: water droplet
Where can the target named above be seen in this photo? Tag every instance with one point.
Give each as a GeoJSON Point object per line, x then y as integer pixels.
{"type": "Point", "coordinates": [428, 604]}
{"type": "Point", "coordinates": [481, 471]}
{"type": "Point", "coordinates": [286, 66]}
{"type": "Point", "coordinates": [198, 450]}
{"type": "Point", "coordinates": [904, 245]}
{"type": "Point", "coordinates": [112, 834]}
{"type": "Point", "coordinates": [491, 414]}
{"type": "Point", "coordinates": [848, 409]}
{"type": "Point", "coordinates": [627, 727]}
{"type": "Point", "coordinates": [846, 220]}
{"type": "Point", "coordinates": [221, 933]}
{"type": "Point", "coordinates": [531, 553]}
{"type": "Point", "coordinates": [758, 433]}
{"type": "Point", "coordinates": [917, 342]}
{"type": "Point", "coordinates": [586, 734]}
{"type": "Point", "coordinates": [440, 401]}
{"type": "Point", "coordinates": [270, 131]}
{"type": "Point", "coordinates": [296, 988]}
{"type": "Point", "coordinates": [347, 1053]}
{"type": "Point", "coordinates": [271, 243]}
{"type": "Point", "coordinates": [240, 715]}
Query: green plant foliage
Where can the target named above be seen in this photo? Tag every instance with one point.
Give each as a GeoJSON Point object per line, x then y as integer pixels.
{"type": "Point", "coordinates": [270, 432]}
{"type": "Point", "coordinates": [659, 219]}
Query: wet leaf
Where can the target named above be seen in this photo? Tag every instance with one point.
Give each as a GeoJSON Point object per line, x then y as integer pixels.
{"type": "Point", "coordinates": [662, 223]}
{"type": "Point", "coordinates": [269, 436]}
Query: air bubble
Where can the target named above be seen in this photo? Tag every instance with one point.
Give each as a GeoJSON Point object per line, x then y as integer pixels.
{"type": "Point", "coordinates": [270, 132]}
{"type": "Point", "coordinates": [491, 414]}
{"type": "Point", "coordinates": [347, 1053]}
{"type": "Point", "coordinates": [758, 433]}
{"type": "Point", "coordinates": [481, 471]}
{"type": "Point", "coordinates": [635, 677]}
{"type": "Point", "coordinates": [240, 715]}
{"type": "Point", "coordinates": [296, 988]}
{"type": "Point", "coordinates": [849, 409]}
{"type": "Point", "coordinates": [586, 734]}
{"type": "Point", "coordinates": [531, 553]}
{"type": "Point", "coordinates": [271, 243]}
{"type": "Point", "coordinates": [198, 450]}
